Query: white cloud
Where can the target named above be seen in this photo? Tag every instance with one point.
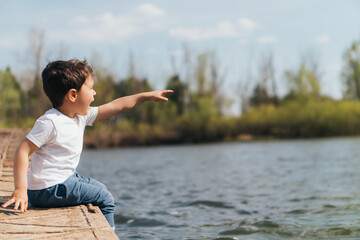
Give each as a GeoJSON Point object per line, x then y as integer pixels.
{"type": "Point", "coordinates": [322, 39]}
{"type": "Point", "coordinates": [246, 24]}
{"type": "Point", "coordinates": [221, 30]}
{"type": "Point", "coordinates": [150, 10]}
{"type": "Point", "coordinates": [224, 29]}
{"type": "Point", "coordinates": [7, 43]}
{"type": "Point", "coordinates": [109, 27]}
{"type": "Point", "coordinates": [267, 39]}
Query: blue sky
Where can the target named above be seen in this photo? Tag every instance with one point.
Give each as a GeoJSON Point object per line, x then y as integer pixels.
{"type": "Point", "coordinates": [239, 32]}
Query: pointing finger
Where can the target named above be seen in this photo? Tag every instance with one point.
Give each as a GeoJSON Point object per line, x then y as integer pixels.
{"type": "Point", "coordinates": [8, 202]}
{"type": "Point", "coordinates": [166, 91]}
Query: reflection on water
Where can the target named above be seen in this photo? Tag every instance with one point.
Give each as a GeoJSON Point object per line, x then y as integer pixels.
{"type": "Point", "coordinates": [257, 190]}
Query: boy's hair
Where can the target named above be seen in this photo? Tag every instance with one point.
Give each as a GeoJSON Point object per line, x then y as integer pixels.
{"type": "Point", "coordinates": [60, 76]}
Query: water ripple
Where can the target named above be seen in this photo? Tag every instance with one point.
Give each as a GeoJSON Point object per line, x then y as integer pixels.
{"type": "Point", "coordinates": [138, 222]}
{"type": "Point", "coordinates": [208, 203]}
{"type": "Point", "coordinates": [260, 190]}
{"type": "Point", "coordinates": [289, 231]}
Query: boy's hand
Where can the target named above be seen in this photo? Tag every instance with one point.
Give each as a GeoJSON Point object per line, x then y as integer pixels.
{"type": "Point", "coordinates": [159, 95]}
{"type": "Point", "coordinates": [20, 198]}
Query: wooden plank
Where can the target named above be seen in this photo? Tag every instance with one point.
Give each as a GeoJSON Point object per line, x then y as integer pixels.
{"type": "Point", "coordinates": [78, 222]}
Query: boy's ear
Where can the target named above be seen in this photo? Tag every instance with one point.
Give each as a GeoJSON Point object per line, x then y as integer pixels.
{"type": "Point", "coordinates": [71, 95]}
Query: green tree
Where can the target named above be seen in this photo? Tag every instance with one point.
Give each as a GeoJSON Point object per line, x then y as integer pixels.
{"type": "Point", "coordinates": [201, 74]}
{"type": "Point", "coordinates": [351, 72]}
{"type": "Point", "coordinates": [36, 100]}
{"type": "Point", "coordinates": [203, 124]}
{"type": "Point", "coordinates": [304, 83]}
{"type": "Point", "coordinates": [208, 82]}
{"type": "Point", "coordinates": [260, 96]}
{"type": "Point", "coordinates": [133, 85]}
{"type": "Point", "coordinates": [104, 81]}
{"type": "Point", "coordinates": [265, 90]}
{"type": "Point", "coordinates": [178, 97]}
{"type": "Point", "coordinates": [11, 96]}
{"type": "Point", "coordinates": [104, 86]}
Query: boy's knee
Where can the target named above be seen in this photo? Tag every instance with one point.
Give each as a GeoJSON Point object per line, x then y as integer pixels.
{"type": "Point", "coordinates": [102, 185]}
{"type": "Point", "coordinates": [108, 200]}
{"type": "Point", "coordinates": [108, 204]}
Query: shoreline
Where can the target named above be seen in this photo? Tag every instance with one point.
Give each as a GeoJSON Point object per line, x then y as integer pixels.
{"type": "Point", "coordinates": [240, 139]}
{"type": "Point", "coordinates": [117, 140]}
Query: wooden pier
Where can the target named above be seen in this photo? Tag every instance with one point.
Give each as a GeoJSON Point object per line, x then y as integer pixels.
{"type": "Point", "coordinates": [79, 222]}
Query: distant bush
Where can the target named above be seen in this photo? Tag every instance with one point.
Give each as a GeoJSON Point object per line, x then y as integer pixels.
{"type": "Point", "coordinates": [294, 119]}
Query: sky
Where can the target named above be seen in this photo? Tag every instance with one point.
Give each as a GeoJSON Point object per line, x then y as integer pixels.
{"type": "Point", "coordinates": [239, 32]}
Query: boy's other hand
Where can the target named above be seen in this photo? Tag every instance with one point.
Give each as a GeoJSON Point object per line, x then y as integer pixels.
{"type": "Point", "coordinates": [159, 95]}
{"type": "Point", "coordinates": [20, 198]}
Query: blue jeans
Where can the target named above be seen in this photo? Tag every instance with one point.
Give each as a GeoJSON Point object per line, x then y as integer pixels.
{"type": "Point", "coordinates": [74, 191]}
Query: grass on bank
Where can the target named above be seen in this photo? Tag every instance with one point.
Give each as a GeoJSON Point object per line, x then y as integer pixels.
{"type": "Point", "coordinates": [290, 119]}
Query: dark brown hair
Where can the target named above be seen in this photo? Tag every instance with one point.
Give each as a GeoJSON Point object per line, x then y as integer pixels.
{"type": "Point", "coordinates": [61, 76]}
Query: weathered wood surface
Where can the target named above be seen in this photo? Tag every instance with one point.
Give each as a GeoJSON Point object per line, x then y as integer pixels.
{"type": "Point", "coordinates": [79, 222]}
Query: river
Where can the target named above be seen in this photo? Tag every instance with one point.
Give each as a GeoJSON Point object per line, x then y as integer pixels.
{"type": "Point", "coordinates": [280, 189]}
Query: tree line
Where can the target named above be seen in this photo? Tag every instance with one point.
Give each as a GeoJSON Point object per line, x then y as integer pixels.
{"type": "Point", "coordinates": [196, 110]}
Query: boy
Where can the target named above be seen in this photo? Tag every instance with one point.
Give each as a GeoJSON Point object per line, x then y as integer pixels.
{"type": "Point", "coordinates": [57, 140]}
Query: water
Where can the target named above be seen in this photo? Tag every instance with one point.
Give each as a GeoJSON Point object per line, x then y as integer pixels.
{"type": "Point", "coordinates": [298, 189]}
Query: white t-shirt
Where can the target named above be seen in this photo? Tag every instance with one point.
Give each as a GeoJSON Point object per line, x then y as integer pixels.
{"type": "Point", "coordinates": [60, 142]}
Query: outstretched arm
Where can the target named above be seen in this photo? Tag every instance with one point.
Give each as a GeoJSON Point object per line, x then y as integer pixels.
{"type": "Point", "coordinates": [19, 196]}
{"type": "Point", "coordinates": [124, 104]}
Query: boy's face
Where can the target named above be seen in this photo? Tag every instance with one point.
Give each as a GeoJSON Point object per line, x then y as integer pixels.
{"type": "Point", "coordinates": [85, 96]}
